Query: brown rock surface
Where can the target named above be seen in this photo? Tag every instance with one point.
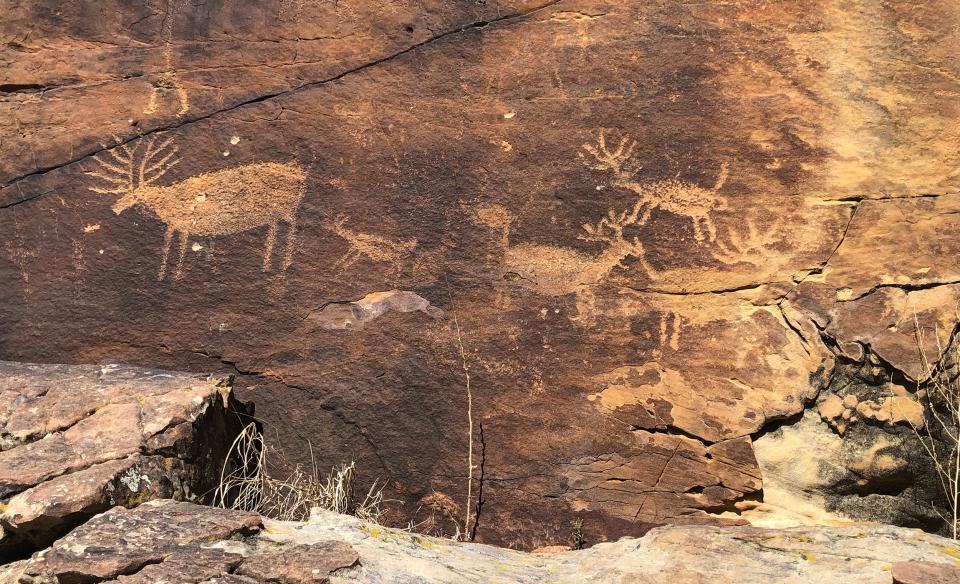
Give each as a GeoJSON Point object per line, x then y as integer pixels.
{"type": "Point", "coordinates": [299, 564]}
{"type": "Point", "coordinates": [157, 536]}
{"type": "Point", "coordinates": [924, 573]}
{"type": "Point", "coordinates": [646, 230]}
{"type": "Point", "coordinates": [78, 440]}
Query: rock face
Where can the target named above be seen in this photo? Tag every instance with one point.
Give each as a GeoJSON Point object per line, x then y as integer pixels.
{"type": "Point", "coordinates": [77, 440]}
{"type": "Point", "coordinates": [164, 541]}
{"type": "Point", "coordinates": [620, 240]}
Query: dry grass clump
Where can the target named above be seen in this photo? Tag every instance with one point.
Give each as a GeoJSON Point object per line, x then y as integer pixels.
{"type": "Point", "coordinates": [940, 436]}
{"type": "Point", "coordinates": [246, 485]}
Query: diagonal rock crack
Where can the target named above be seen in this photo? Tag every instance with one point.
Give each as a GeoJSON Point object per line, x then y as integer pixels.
{"type": "Point", "coordinates": [273, 95]}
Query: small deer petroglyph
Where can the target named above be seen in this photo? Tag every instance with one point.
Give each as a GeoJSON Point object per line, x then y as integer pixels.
{"type": "Point", "coordinates": [374, 247]}
{"type": "Point", "coordinates": [675, 196]}
{"type": "Point", "coordinates": [210, 204]}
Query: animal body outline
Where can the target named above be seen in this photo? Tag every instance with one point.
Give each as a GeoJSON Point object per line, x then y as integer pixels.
{"type": "Point", "coordinates": [557, 271]}
{"type": "Point", "coordinates": [216, 203]}
{"type": "Point", "coordinates": [374, 247]}
{"type": "Point", "coordinates": [677, 197]}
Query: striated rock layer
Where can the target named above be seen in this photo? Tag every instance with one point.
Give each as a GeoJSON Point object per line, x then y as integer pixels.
{"type": "Point", "coordinates": [595, 248]}
{"type": "Point", "coordinates": [163, 541]}
{"type": "Point", "coordinates": [78, 440]}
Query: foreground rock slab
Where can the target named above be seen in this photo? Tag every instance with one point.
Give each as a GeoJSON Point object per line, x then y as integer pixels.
{"type": "Point", "coordinates": [78, 440]}
{"type": "Point", "coordinates": [167, 541]}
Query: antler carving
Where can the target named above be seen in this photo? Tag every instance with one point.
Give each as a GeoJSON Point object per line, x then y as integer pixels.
{"type": "Point", "coordinates": [119, 172]}
{"type": "Point", "coordinates": [748, 246]}
{"type": "Point", "coordinates": [616, 160]}
{"type": "Point", "coordinates": [614, 223]}
{"type": "Point", "coordinates": [150, 165]}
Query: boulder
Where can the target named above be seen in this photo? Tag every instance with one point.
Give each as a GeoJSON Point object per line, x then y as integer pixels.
{"type": "Point", "coordinates": [77, 440]}
{"type": "Point", "coordinates": [166, 541]}
{"type": "Point", "coordinates": [925, 573]}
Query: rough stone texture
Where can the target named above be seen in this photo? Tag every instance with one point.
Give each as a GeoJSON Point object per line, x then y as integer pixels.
{"type": "Point", "coordinates": [158, 536]}
{"type": "Point", "coordinates": [77, 440]}
{"type": "Point", "coordinates": [163, 541]}
{"type": "Point", "coordinates": [647, 230]}
{"type": "Point", "coordinates": [924, 573]}
{"type": "Point", "coordinates": [299, 564]}
{"type": "Point", "coordinates": [842, 460]}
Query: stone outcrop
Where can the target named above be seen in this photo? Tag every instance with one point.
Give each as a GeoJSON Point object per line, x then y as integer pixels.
{"type": "Point", "coordinates": [624, 239]}
{"type": "Point", "coordinates": [78, 440]}
{"type": "Point", "coordinates": [164, 541]}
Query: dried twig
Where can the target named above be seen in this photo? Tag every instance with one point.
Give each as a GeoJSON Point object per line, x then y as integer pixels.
{"type": "Point", "coordinates": [940, 435]}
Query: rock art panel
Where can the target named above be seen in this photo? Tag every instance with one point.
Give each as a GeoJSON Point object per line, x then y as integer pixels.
{"type": "Point", "coordinates": [624, 221]}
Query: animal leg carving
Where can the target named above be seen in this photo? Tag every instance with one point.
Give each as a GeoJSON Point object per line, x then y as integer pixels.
{"type": "Point", "coordinates": [268, 246]}
{"type": "Point", "coordinates": [167, 240]}
{"type": "Point", "coordinates": [347, 260]}
{"type": "Point", "coordinates": [181, 253]}
{"type": "Point", "coordinates": [670, 324]}
{"type": "Point", "coordinates": [288, 247]}
{"type": "Point", "coordinates": [711, 228]}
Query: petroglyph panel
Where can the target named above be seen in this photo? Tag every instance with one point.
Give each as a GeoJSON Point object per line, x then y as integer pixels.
{"type": "Point", "coordinates": [646, 220]}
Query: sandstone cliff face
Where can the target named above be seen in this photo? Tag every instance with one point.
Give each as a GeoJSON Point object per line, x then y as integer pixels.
{"type": "Point", "coordinates": [648, 232]}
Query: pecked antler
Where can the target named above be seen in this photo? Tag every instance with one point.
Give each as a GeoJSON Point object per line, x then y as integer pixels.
{"type": "Point", "coordinates": [615, 160]}
{"type": "Point", "coordinates": [121, 173]}
{"type": "Point", "coordinates": [149, 165]}
{"type": "Point", "coordinates": [119, 179]}
{"type": "Point", "coordinates": [752, 245]}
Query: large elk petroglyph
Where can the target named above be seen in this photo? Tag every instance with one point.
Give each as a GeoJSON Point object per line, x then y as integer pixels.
{"type": "Point", "coordinates": [677, 197]}
{"type": "Point", "coordinates": [209, 204]}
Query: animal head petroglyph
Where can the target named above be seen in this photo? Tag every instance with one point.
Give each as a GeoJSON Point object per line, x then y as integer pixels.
{"type": "Point", "coordinates": [119, 173]}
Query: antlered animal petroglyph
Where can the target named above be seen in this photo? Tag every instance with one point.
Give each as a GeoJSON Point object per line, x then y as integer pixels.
{"type": "Point", "coordinates": [374, 247]}
{"type": "Point", "coordinates": [216, 203]}
{"type": "Point", "coordinates": [556, 271]}
{"type": "Point", "coordinates": [675, 196]}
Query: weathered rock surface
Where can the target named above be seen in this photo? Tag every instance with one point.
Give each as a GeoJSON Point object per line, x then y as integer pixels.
{"type": "Point", "coordinates": [77, 440]}
{"type": "Point", "coordinates": [164, 541]}
{"type": "Point", "coordinates": [646, 230]}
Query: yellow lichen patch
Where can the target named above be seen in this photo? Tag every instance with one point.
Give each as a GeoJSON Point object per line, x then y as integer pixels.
{"type": "Point", "coordinates": [372, 531]}
{"type": "Point", "coordinates": [952, 552]}
{"type": "Point", "coordinates": [809, 557]}
{"type": "Point", "coordinates": [91, 228]}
